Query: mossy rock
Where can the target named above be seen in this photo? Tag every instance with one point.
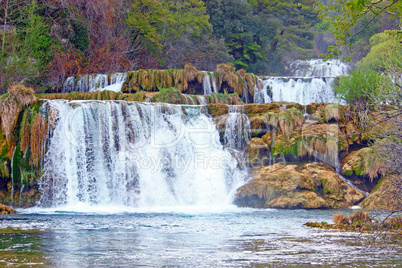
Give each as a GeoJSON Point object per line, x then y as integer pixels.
{"type": "Point", "coordinates": [257, 152]}
{"type": "Point", "coordinates": [261, 109]}
{"type": "Point", "coordinates": [297, 186]}
{"type": "Point", "coordinates": [216, 110]}
{"type": "Point", "coordinates": [6, 210]}
{"type": "Point", "coordinates": [364, 163]}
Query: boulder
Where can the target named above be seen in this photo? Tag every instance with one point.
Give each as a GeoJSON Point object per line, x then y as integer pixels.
{"type": "Point", "coordinates": [6, 210]}
{"type": "Point", "coordinates": [364, 162]}
{"type": "Point", "coordinates": [386, 195]}
{"type": "Point", "coordinates": [307, 185]}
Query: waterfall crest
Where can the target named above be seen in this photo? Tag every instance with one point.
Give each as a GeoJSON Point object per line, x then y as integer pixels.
{"type": "Point", "coordinates": [136, 154]}
{"type": "Point", "coordinates": [98, 82]}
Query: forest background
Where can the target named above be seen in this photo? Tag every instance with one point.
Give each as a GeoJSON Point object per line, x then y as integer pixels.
{"type": "Point", "coordinates": [44, 41]}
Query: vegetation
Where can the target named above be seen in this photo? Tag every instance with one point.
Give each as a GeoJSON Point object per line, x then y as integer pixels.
{"type": "Point", "coordinates": [353, 22]}
{"type": "Point", "coordinates": [387, 231]}
{"type": "Point", "coordinates": [374, 92]}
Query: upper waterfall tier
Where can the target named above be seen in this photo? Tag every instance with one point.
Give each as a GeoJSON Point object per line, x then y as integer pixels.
{"type": "Point", "coordinates": [136, 154]}
{"type": "Point", "coordinates": [299, 90]}
{"type": "Point", "coordinates": [96, 82]}
{"type": "Point", "coordinates": [319, 68]}
{"type": "Point", "coordinates": [312, 81]}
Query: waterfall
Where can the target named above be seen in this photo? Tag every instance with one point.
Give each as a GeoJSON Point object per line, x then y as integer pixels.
{"type": "Point", "coordinates": [98, 82]}
{"type": "Point", "coordinates": [214, 85]}
{"type": "Point", "coordinates": [206, 84]}
{"type": "Point", "coordinates": [300, 90]}
{"type": "Point", "coordinates": [237, 128]}
{"type": "Point", "coordinates": [202, 100]}
{"type": "Point", "coordinates": [136, 154]}
{"type": "Point", "coordinates": [319, 68]}
{"type": "Point", "coordinates": [312, 81]}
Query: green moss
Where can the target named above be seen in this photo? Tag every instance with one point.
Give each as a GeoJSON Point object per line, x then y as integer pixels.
{"type": "Point", "coordinates": [16, 164]}
{"type": "Point", "coordinates": [217, 109]}
{"type": "Point", "coordinates": [169, 95]}
{"type": "Point", "coordinates": [297, 146]}
{"type": "Point", "coordinates": [379, 184]}
{"type": "Point", "coordinates": [326, 190]}
{"type": "Point", "coordinates": [348, 172]}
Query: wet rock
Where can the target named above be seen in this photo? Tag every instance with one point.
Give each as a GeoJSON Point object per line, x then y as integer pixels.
{"type": "Point", "coordinates": [310, 185]}
{"type": "Point", "coordinates": [257, 150]}
{"type": "Point", "coordinates": [386, 195]}
{"type": "Point", "coordinates": [6, 210]}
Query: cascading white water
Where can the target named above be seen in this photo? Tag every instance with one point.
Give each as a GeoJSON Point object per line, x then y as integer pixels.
{"type": "Point", "coordinates": [237, 129]}
{"type": "Point", "coordinates": [202, 100]}
{"type": "Point", "coordinates": [312, 82]}
{"type": "Point", "coordinates": [214, 85]}
{"type": "Point", "coordinates": [319, 68]}
{"type": "Point", "coordinates": [136, 154]}
{"type": "Point", "coordinates": [98, 82]}
{"type": "Point", "coordinates": [206, 84]}
{"type": "Point", "coordinates": [300, 90]}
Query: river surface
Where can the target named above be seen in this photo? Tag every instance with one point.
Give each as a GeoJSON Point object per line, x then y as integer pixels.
{"type": "Point", "coordinates": [188, 237]}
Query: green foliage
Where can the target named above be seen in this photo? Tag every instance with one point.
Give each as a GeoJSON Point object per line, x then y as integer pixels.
{"type": "Point", "coordinates": [146, 19]}
{"type": "Point", "coordinates": [81, 36]}
{"type": "Point", "coordinates": [37, 39]}
{"type": "Point", "coordinates": [169, 95]}
{"type": "Point", "coordinates": [358, 86]}
{"type": "Point", "coordinates": [260, 32]}
{"type": "Point", "coordinates": [383, 45]}
{"type": "Point", "coordinates": [354, 20]}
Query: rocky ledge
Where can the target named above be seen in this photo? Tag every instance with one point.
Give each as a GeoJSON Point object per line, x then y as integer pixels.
{"type": "Point", "coordinates": [306, 185]}
{"type": "Point", "coordinates": [6, 209]}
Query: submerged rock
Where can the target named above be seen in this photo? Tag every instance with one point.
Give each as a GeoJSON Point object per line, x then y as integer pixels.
{"type": "Point", "coordinates": [309, 185]}
{"type": "Point", "coordinates": [6, 210]}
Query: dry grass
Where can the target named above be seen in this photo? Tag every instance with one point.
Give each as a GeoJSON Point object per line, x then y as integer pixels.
{"type": "Point", "coordinates": [332, 111]}
{"type": "Point", "coordinates": [340, 219]}
{"type": "Point", "coordinates": [39, 134]}
{"type": "Point", "coordinates": [320, 146]}
{"type": "Point", "coordinates": [227, 74]}
{"type": "Point", "coordinates": [357, 219]}
{"type": "Point", "coordinates": [25, 131]}
{"type": "Point", "coordinates": [332, 150]}
{"type": "Point", "coordinates": [359, 216]}
{"type": "Point", "coordinates": [373, 165]}
{"type": "Point", "coordinates": [12, 105]}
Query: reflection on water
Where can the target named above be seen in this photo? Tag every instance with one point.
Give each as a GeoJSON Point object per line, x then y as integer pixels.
{"type": "Point", "coordinates": [242, 237]}
{"type": "Point", "coordinates": [19, 247]}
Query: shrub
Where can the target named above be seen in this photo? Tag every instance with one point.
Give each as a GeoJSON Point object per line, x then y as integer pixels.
{"type": "Point", "coordinates": [357, 88]}
{"type": "Point", "coordinates": [339, 219]}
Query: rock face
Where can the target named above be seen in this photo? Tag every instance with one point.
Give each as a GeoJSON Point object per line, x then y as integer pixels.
{"type": "Point", "coordinates": [386, 195]}
{"type": "Point", "coordinates": [309, 186]}
{"type": "Point", "coordinates": [6, 210]}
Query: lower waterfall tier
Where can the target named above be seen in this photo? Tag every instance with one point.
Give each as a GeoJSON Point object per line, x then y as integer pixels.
{"type": "Point", "coordinates": [136, 154]}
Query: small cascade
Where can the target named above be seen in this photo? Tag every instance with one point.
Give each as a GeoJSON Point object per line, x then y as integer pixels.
{"type": "Point", "coordinates": [299, 90]}
{"type": "Point", "coordinates": [237, 128]}
{"type": "Point", "coordinates": [98, 82]}
{"type": "Point", "coordinates": [261, 95]}
{"type": "Point", "coordinates": [189, 100]}
{"type": "Point", "coordinates": [338, 171]}
{"type": "Point", "coordinates": [12, 179]}
{"type": "Point", "coordinates": [202, 100]}
{"type": "Point", "coordinates": [214, 85]}
{"type": "Point", "coordinates": [319, 68]}
{"type": "Point", "coordinates": [311, 81]}
{"type": "Point", "coordinates": [206, 84]}
{"type": "Point", "coordinates": [245, 93]}
{"type": "Point", "coordinates": [139, 155]}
